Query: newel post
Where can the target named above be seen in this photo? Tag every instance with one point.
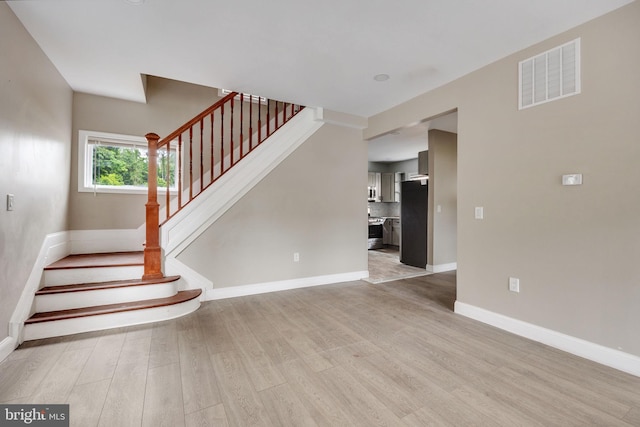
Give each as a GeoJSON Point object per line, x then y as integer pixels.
{"type": "Point", "coordinates": [152, 251]}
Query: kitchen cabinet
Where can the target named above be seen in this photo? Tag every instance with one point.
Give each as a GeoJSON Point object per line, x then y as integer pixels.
{"type": "Point", "coordinates": [373, 187]}
{"type": "Point", "coordinates": [387, 231]}
{"type": "Point", "coordinates": [383, 187]}
{"type": "Point", "coordinates": [387, 187]}
{"type": "Point", "coordinates": [391, 232]}
{"type": "Point", "coordinates": [395, 232]}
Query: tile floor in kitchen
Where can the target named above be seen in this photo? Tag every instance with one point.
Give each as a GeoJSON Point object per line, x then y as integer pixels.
{"type": "Point", "coordinates": [385, 265]}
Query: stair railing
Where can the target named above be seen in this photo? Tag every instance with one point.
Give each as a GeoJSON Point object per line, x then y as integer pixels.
{"type": "Point", "coordinates": [198, 153]}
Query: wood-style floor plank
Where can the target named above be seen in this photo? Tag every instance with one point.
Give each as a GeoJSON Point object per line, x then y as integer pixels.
{"type": "Point", "coordinates": [22, 378]}
{"type": "Point", "coordinates": [164, 345]}
{"type": "Point", "coordinates": [103, 360]}
{"type": "Point", "coordinates": [346, 354]}
{"type": "Point", "coordinates": [199, 381]}
{"type": "Point", "coordinates": [86, 401]}
{"type": "Point", "coordinates": [213, 416]}
{"type": "Point", "coordinates": [364, 409]}
{"type": "Point", "coordinates": [323, 405]}
{"type": "Point", "coordinates": [242, 403]}
{"type": "Point", "coordinates": [163, 406]}
{"type": "Point", "coordinates": [57, 384]}
{"type": "Point", "coordinates": [124, 402]}
{"type": "Point", "coordinates": [285, 408]}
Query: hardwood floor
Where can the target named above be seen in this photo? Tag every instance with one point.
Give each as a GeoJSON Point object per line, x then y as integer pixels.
{"type": "Point", "coordinates": [353, 354]}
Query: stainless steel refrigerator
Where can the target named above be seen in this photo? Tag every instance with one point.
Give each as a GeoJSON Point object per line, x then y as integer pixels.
{"type": "Point", "coordinates": [414, 199]}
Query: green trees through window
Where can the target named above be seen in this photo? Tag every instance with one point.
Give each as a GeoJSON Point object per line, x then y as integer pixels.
{"type": "Point", "coordinates": [129, 166]}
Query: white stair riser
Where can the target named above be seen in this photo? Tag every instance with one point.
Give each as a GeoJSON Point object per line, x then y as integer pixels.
{"type": "Point", "coordinates": [108, 321]}
{"type": "Point", "coordinates": [90, 275]}
{"type": "Point", "coordinates": [69, 300]}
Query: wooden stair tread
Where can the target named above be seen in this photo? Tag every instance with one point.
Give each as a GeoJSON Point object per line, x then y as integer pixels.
{"type": "Point", "coordinates": [112, 259]}
{"type": "Point", "coordinates": [78, 287]}
{"type": "Point", "coordinates": [181, 296]}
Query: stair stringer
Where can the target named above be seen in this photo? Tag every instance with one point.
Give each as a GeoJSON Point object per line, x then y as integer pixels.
{"type": "Point", "coordinates": [183, 228]}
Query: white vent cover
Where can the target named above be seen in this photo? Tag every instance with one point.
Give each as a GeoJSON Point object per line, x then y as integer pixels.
{"type": "Point", "coordinates": [551, 75]}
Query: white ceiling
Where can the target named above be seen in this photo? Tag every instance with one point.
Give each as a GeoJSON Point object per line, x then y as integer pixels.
{"type": "Point", "coordinates": [323, 53]}
{"type": "Point", "coordinates": [405, 143]}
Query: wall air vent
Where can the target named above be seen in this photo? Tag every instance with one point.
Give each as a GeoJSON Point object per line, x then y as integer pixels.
{"type": "Point", "coordinates": [551, 75]}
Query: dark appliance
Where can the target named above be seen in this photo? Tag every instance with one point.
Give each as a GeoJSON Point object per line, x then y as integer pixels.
{"type": "Point", "coordinates": [414, 199]}
{"type": "Point", "coordinates": [376, 233]}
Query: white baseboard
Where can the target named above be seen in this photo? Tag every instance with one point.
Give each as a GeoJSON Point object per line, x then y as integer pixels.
{"type": "Point", "coordinates": [7, 346]}
{"type": "Point", "coordinates": [99, 241]}
{"type": "Point", "coordinates": [55, 246]}
{"type": "Point", "coordinates": [283, 285]}
{"type": "Point", "coordinates": [440, 268]}
{"type": "Point", "coordinates": [604, 355]}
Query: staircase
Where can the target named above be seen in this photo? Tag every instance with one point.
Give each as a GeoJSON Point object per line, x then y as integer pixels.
{"type": "Point", "coordinates": [72, 301]}
{"type": "Point", "coordinates": [221, 145]}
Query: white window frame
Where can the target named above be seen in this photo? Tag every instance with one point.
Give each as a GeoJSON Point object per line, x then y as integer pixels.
{"type": "Point", "coordinates": [85, 163]}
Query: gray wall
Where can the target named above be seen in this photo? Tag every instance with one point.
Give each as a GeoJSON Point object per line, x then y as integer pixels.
{"type": "Point", "coordinates": [169, 105]}
{"type": "Point", "coordinates": [442, 228]}
{"type": "Point", "coordinates": [575, 249]}
{"type": "Point", "coordinates": [313, 203]}
{"type": "Point", "coordinates": [35, 142]}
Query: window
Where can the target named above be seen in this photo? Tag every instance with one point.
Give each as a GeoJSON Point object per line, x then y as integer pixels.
{"type": "Point", "coordinates": [551, 75]}
{"type": "Point", "coordinates": [112, 163]}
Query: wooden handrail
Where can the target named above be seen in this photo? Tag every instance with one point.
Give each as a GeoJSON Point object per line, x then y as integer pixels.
{"type": "Point", "coordinates": [173, 135]}
{"type": "Point", "coordinates": [230, 151]}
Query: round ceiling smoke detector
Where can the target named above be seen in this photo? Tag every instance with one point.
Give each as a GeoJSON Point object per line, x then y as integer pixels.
{"type": "Point", "coordinates": [381, 77]}
{"type": "Point", "coordinates": [135, 2]}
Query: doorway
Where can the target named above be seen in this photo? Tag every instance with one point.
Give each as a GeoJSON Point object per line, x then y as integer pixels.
{"type": "Point", "coordinates": [396, 153]}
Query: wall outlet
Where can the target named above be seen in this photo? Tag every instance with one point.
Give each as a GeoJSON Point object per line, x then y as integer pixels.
{"type": "Point", "coordinates": [514, 284]}
{"type": "Point", "coordinates": [296, 257]}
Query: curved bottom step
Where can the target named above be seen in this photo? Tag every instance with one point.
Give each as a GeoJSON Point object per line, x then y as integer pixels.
{"type": "Point", "coordinates": [67, 322]}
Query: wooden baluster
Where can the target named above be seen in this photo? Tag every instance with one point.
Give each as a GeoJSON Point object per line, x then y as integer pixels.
{"type": "Point", "coordinates": [180, 172]}
{"type": "Point", "coordinates": [268, 118]}
{"type": "Point", "coordinates": [167, 178]}
{"type": "Point", "coordinates": [201, 155]}
{"type": "Point", "coordinates": [152, 255]}
{"type": "Point", "coordinates": [250, 122]}
{"type": "Point", "coordinates": [241, 125]}
{"type": "Point", "coordinates": [277, 126]}
{"type": "Point", "coordinates": [212, 155]}
{"type": "Point", "coordinates": [259, 122]}
{"type": "Point", "coordinates": [191, 163]}
{"type": "Point", "coordinates": [221, 139]}
{"type": "Point", "coordinates": [231, 137]}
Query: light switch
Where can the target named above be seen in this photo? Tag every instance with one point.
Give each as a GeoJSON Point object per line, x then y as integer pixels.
{"type": "Point", "coordinates": [572, 179]}
{"type": "Point", "coordinates": [439, 208]}
{"type": "Point", "coordinates": [9, 202]}
{"type": "Point", "coordinates": [479, 212]}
